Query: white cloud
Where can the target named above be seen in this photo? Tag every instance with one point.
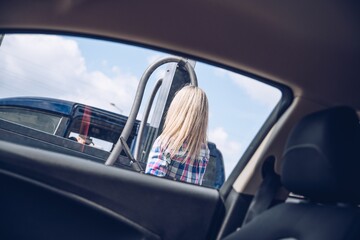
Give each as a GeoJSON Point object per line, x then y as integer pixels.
{"type": "Point", "coordinates": [231, 150]}
{"type": "Point", "coordinates": [220, 72]}
{"type": "Point", "coordinates": [258, 91]}
{"type": "Point", "coordinates": [53, 66]}
{"type": "Point", "coordinates": [104, 62]}
{"type": "Point", "coordinates": [155, 57]}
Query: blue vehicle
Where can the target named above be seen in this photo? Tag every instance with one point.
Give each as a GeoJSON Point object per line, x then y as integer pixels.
{"type": "Point", "coordinates": [54, 122]}
{"type": "Point", "coordinates": [57, 124]}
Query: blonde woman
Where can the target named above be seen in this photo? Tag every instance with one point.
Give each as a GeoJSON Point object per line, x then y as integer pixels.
{"type": "Point", "coordinates": [181, 151]}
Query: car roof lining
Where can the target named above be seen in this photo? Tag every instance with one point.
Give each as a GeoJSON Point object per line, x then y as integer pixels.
{"type": "Point", "coordinates": [272, 40]}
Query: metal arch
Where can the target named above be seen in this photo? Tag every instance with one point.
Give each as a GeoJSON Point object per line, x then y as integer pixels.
{"type": "Point", "coordinates": [145, 118]}
{"type": "Point", "coordinates": [138, 99]}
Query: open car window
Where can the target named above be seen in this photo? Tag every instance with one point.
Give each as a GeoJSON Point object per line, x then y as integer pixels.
{"type": "Point", "coordinates": [72, 88]}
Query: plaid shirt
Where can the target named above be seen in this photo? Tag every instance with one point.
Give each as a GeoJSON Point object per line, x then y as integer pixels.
{"type": "Point", "coordinates": [160, 164]}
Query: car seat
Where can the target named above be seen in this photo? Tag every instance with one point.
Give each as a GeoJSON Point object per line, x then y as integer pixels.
{"type": "Point", "coordinates": [321, 162]}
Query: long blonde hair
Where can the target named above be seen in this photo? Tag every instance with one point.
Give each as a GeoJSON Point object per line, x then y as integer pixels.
{"type": "Point", "coordinates": [186, 122]}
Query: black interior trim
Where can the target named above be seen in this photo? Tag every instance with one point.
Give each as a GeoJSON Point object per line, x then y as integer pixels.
{"type": "Point", "coordinates": [237, 205]}
{"type": "Point", "coordinates": [27, 204]}
{"type": "Point", "coordinates": [148, 201]}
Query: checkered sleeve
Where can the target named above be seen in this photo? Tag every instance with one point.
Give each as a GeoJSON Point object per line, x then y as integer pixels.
{"type": "Point", "coordinates": [156, 164]}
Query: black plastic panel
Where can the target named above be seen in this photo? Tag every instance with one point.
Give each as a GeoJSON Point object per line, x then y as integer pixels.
{"type": "Point", "coordinates": [30, 210]}
{"type": "Point", "coordinates": [171, 210]}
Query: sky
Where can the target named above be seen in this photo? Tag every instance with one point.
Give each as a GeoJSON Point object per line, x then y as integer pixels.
{"type": "Point", "coordinates": [106, 74]}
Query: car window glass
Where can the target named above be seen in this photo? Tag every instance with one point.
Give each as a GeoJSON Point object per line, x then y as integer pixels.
{"type": "Point", "coordinates": [34, 119]}
{"type": "Point", "coordinates": [92, 84]}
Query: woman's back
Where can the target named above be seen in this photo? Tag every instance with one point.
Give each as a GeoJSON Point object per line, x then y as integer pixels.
{"type": "Point", "coordinates": [181, 152]}
{"type": "Point", "coordinates": [180, 167]}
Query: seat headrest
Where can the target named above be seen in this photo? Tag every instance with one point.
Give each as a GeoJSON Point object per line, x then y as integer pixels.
{"type": "Point", "coordinates": [321, 159]}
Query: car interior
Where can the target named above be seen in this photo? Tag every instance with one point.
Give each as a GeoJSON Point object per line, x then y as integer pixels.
{"type": "Point", "coordinates": [298, 178]}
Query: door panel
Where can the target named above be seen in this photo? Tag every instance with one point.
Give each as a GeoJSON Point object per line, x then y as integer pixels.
{"type": "Point", "coordinates": [141, 205]}
{"type": "Point", "coordinates": [32, 210]}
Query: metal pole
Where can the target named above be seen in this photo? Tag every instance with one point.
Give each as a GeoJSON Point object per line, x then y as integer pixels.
{"type": "Point", "coordinates": [138, 98]}
{"type": "Point", "coordinates": [1, 38]}
{"type": "Point", "coordinates": [145, 118]}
